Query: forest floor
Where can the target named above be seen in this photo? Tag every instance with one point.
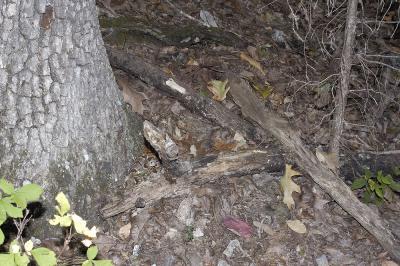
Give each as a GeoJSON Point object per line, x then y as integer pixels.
{"type": "Point", "coordinates": [289, 51]}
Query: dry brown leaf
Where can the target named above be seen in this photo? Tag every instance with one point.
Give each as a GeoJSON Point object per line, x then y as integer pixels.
{"type": "Point", "coordinates": [288, 186]}
{"type": "Point", "coordinates": [297, 226]}
{"type": "Point", "coordinates": [125, 231]}
{"type": "Point", "coordinates": [252, 62]}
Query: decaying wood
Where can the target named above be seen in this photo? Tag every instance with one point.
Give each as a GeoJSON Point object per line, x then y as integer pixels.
{"type": "Point", "coordinates": [253, 109]}
{"type": "Point", "coordinates": [320, 173]}
{"type": "Point", "coordinates": [211, 110]}
{"type": "Point", "coordinates": [345, 67]}
{"type": "Point", "coordinates": [195, 173]}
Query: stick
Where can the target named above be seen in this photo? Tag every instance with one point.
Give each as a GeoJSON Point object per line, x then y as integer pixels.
{"type": "Point", "coordinates": [345, 67]}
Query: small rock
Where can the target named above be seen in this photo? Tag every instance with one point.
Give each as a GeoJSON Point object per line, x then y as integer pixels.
{"type": "Point", "coordinates": [135, 250]}
{"type": "Point", "coordinates": [198, 233]}
{"type": "Point", "coordinates": [140, 203]}
{"type": "Point", "coordinates": [185, 213]}
{"type": "Point", "coordinates": [208, 19]}
{"type": "Point", "coordinates": [234, 244]}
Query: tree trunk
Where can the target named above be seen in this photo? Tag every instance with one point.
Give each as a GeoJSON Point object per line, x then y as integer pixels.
{"type": "Point", "coordinates": [63, 123]}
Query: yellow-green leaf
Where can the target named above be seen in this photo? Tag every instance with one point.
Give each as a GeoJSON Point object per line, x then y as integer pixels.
{"type": "Point", "coordinates": [44, 257]}
{"type": "Point", "coordinates": [91, 252]}
{"type": "Point", "coordinates": [102, 263]}
{"type": "Point", "coordinates": [63, 204]}
{"type": "Point", "coordinates": [3, 216]}
{"type": "Point", "coordinates": [7, 259]}
{"type": "Point", "coordinates": [30, 192]}
{"type": "Point", "coordinates": [12, 211]}
{"type": "Point", "coordinates": [21, 260]}
{"type": "Point", "coordinates": [219, 89]}
{"type": "Point", "coordinates": [1, 237]}
{"type": "Point", "coordinates": [288, 186]}
{"type": "Point", "coordinates": [64, 221]}
{"type": "Point", "coordinates": [6, 186]}
{"type": "Point", "coordinates": [79, 224]}
{"type": "Point", "coordinates": [87, 263]}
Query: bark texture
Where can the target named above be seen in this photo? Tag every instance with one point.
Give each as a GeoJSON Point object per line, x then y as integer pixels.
{"type": "Point", "coordinates": [63, 123]}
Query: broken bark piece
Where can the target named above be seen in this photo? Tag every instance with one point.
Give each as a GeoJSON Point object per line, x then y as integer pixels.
{"type": "Point", "coordinates": [161, 142]}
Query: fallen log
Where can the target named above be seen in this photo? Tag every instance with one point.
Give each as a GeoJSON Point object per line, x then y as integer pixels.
{"type": "Point", "coordinates": [193, 173]}
{"type": "Point", "coordinates": [270, 123]}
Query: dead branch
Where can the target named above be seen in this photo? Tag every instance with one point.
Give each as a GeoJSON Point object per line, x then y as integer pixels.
{"type": "Point", "coordinates": [345, 67]}
{"type": "Point", "coordinates": [320, 173]}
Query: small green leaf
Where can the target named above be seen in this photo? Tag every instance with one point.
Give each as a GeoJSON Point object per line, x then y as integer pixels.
{"type": "Point", "coordinates": [102, 263]}
{"type": "Point", "coordinates": [3, 215]}
{"type": "Point", "coordinates": [7, 259]}
{"type": "Point", "coordinates": [63, 221]}
{"type": "Point", "coordinates": [372, 184]}
{"type": "Point", "coordinates": [44, 257]}
{"type": "Point", "coordinates": [6, 186]}
{"type": "Point", "coordinates": [367, 195]}
{"type": "Point", "coordinates": [358, 183]}
{"type": "Point", "coordinates": [63, 204]}
{"type": "Point", "coordinates": [30, 192]}
{"type": "Point", "coordinates": [367, 174]}
{"type": "Point", "coordinates": [91, 253]}
{"type": "Point", "coordinates": [379, 192]}
{"type": "Point", "coordinates": [12, 211]}
{"type": "Point", "coordinates": [1, 237]}
{"type": "Point", "coordinates": [19, 200]}
{"type": "Point", "coordinates": [87, 263]}
{"type": "Point", "coordinates": [387, 179]}
{"type": "Point", "coordinates": [396, 171]}
{"type": "Point", "coordinates": [21, 260]}
{"type": "Point", "coordinates": [395, 186]}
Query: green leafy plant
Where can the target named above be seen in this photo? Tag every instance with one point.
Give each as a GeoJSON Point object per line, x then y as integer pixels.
{"type": "Point", "coordinates": [189, 233]}
{"type": "Point", "coordinates": [13, 204]}
{"type": "Point", "coordinates": [378, 187]}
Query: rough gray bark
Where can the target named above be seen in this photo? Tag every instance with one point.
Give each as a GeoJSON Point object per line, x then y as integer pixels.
{"type": "Point", "coordinates": [63, 123]}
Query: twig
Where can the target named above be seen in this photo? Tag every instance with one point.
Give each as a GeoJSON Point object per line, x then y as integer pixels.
{"type": "Point", "coordinates": [341, 98]}
{"type": "Point", "coordinates": [186, 15]}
